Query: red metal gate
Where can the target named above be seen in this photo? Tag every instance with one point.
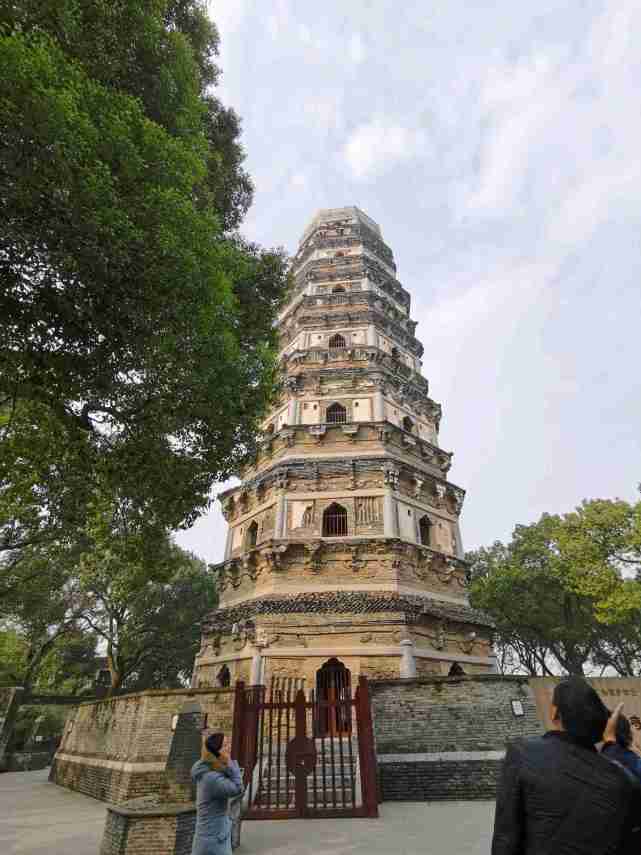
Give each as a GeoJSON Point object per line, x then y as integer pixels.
{"type": "Point", "coordinates": [297, 766]}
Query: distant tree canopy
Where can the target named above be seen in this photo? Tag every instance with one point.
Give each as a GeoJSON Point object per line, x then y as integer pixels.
{"type": "Point", "coordinates": [135, 603]}
{"type": "Point", "coordinates": [144, 599]}
{"type": "Point", "coordinates": [565, 593]}
{"type": "Point", "coordinates": [136, 336]}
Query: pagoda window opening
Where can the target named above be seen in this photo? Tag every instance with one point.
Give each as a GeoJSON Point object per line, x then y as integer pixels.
{"type": "Point", "coordinates": [335, 521]}
{"type": "Point", "coordinates": [424, 530]}
{"type": "Point", "coordinates": [338, 289]}
{"type": "Point", "coordinates": [252, 535]}
{"type": "Point", "coordinates": [408, 424]}
{"type": "Point", "coordinates": [336, 414]}
{"type": "Point", "coordinates": [223, 678]}
{"type": "Point", "coordinates": [337, 341]}
{"type": "Point", "coordinates": [395, 353]}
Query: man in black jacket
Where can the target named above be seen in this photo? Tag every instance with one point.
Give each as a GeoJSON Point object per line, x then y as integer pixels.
{"type": "Point", "coordinates": [558, 795]}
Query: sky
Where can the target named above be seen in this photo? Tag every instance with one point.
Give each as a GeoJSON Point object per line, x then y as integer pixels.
{"type": "Point", "coordinates": [498, 146]}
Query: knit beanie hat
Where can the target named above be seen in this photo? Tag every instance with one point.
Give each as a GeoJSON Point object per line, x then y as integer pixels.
{"type": "Point", "coordinates": [214, 743]}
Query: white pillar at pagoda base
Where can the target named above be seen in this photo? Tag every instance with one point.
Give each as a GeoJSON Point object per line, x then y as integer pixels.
{"type": "Point", "coordinates": [408, 662]}
{"type": "Point", "coordinates": [256, 673]}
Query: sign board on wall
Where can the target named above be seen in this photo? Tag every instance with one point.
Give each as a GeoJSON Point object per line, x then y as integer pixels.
{"type": "Point", "coordinates": [612, 690]}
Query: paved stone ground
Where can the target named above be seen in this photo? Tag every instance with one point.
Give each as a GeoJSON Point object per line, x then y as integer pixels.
{"type": "Point", "coordinates": [38, 818]}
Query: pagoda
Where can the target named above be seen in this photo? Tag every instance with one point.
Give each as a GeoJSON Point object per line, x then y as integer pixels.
{"type": "Point", "coordinates": [344, 555]}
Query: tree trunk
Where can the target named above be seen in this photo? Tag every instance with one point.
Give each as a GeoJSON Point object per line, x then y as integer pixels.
{"type": "Point", "coordinates": [115, 673]}
{"type": "Point", "coordinates": [35, 660]}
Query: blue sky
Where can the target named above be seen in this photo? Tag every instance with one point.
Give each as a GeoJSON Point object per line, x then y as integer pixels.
{"type": "Point", "coordinates": [498, 145]}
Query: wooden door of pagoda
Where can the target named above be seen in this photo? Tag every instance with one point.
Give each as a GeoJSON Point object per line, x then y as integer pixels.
{"type": "Point", "coordinates": [333, 688]}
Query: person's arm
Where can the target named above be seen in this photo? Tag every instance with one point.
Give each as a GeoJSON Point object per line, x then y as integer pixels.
{"type": "Point", "coordinates": [508, 819]}
{"type": "Point", "coordinates": [232, 770]}
{"type": "Point", "coordinates": [227, 784]}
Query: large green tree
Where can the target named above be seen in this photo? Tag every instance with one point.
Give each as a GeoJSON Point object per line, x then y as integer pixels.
{"type": "Point", "coordinates": [136, 329]}
{"type": "Point", "coordinates": [144, 598]}
{"type": "Point", "coordinates": [564, 593]}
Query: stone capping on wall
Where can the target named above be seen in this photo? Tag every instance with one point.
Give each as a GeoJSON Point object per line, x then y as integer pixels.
{"type": "Point", "coordinates": [440, 756]}
{"type": "Point", "coordinates": [517, 679]}
{"type": "Point", "coordinates": [155, 810]}
{"type": "Point", "coordinates": [145, 693]}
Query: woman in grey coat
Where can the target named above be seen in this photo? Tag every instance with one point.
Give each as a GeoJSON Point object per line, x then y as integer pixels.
{"type": "Point", "coordinates": [217, 779]}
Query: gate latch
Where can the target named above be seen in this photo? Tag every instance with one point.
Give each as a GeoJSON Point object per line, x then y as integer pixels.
{"type": "Point", "coordinates": [300, 755]}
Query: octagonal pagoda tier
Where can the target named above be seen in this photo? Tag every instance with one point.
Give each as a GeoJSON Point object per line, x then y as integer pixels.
{"type": "Point", "coordinates": [343, 542]}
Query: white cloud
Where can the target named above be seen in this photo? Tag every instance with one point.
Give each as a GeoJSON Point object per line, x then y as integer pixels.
{"type": "Point", "coordinates": [323, 112]}
{"type": "Point", "coordinates": [519, 103]}
{"type": "Point", "coordinates": [356, 49]}
{"type": "Point", "coordinates": [378, 146]}
{"type": "Point", "coordinates": [228, 15]}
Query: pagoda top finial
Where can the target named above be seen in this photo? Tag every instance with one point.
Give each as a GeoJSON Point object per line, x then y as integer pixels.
{"type": "Point", "coordinates": [348, 214]}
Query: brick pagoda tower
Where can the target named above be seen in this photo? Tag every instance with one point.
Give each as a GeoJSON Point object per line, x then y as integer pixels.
{"type": "Point", "coordinates": [343, 554]}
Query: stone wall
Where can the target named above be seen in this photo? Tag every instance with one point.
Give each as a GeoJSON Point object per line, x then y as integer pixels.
{"type": "Point", "coordinates": [445, 737]}
{"type": "Point", "coordinates": [137, 829]}
{"type": "Point", "coordinates": [28, 761]}
{"type": "Point", "coordinates": [129, 833]}
{"type": "Point", "coordinates": [117, 749]}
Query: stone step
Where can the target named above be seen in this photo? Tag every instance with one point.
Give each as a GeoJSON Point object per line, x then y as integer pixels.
{"type": "Point", "coordinates": [347, 764]}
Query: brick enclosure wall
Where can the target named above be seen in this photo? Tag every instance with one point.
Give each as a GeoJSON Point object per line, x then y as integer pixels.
{"type": "Point", "coordinates": [447, 780]}
{"type": "Point", "coordinates": [25, 761]}
{"type": "Point", "coordinates": [117, 749]}
{"type": "Point", "coordinates": [141, 835]}
{"type": "Point", "coordinates": [423, 726]}
{"type": "Point", "coordinates": [104, 783]}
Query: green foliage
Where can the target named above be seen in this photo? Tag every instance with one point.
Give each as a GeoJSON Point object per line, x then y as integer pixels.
{"type": "Point", "coordinates": [136, 333]}
{"type": "Point", "coordinates": [43, 494]}
{"type": "Point", "coordinates": [71, 665]}
{"type": "Point", "coordinates": [562, 592]}
{"type": "Point", "coordinates": [13, 657]}
{"type": "Point", "coordinates": [145, 601]}
{"type": "Point", "coordinates": [130, 593]}
{"type": "Point", "coordinates": [137, 330]}
{"type": "Point", "coordinates": [46, 722]}
{"type": "Point", "coordinates": [68, 666]}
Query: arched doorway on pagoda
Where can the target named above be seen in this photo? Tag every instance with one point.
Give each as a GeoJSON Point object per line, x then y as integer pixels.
{"type": "Point", "coordinates": [333, 694]}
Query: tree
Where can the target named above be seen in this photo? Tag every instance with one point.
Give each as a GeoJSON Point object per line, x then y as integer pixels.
{"type": "Point", "coordinates": [43, 610]}
{"type": "Point", "coordinates": [559, 591]}
{"type": "Point", "coordinates": [69, 667]}
{"type": "Point", "coordinates": [601, 546]}
{"type": "Point", "coordinates": [43, 496]}
{"type": "Point", "coordinates": [144, 598]}
{"type": "Point", "coordinates": [133, 324]}
{"type": "Point", "coordinates": [13, 656]}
